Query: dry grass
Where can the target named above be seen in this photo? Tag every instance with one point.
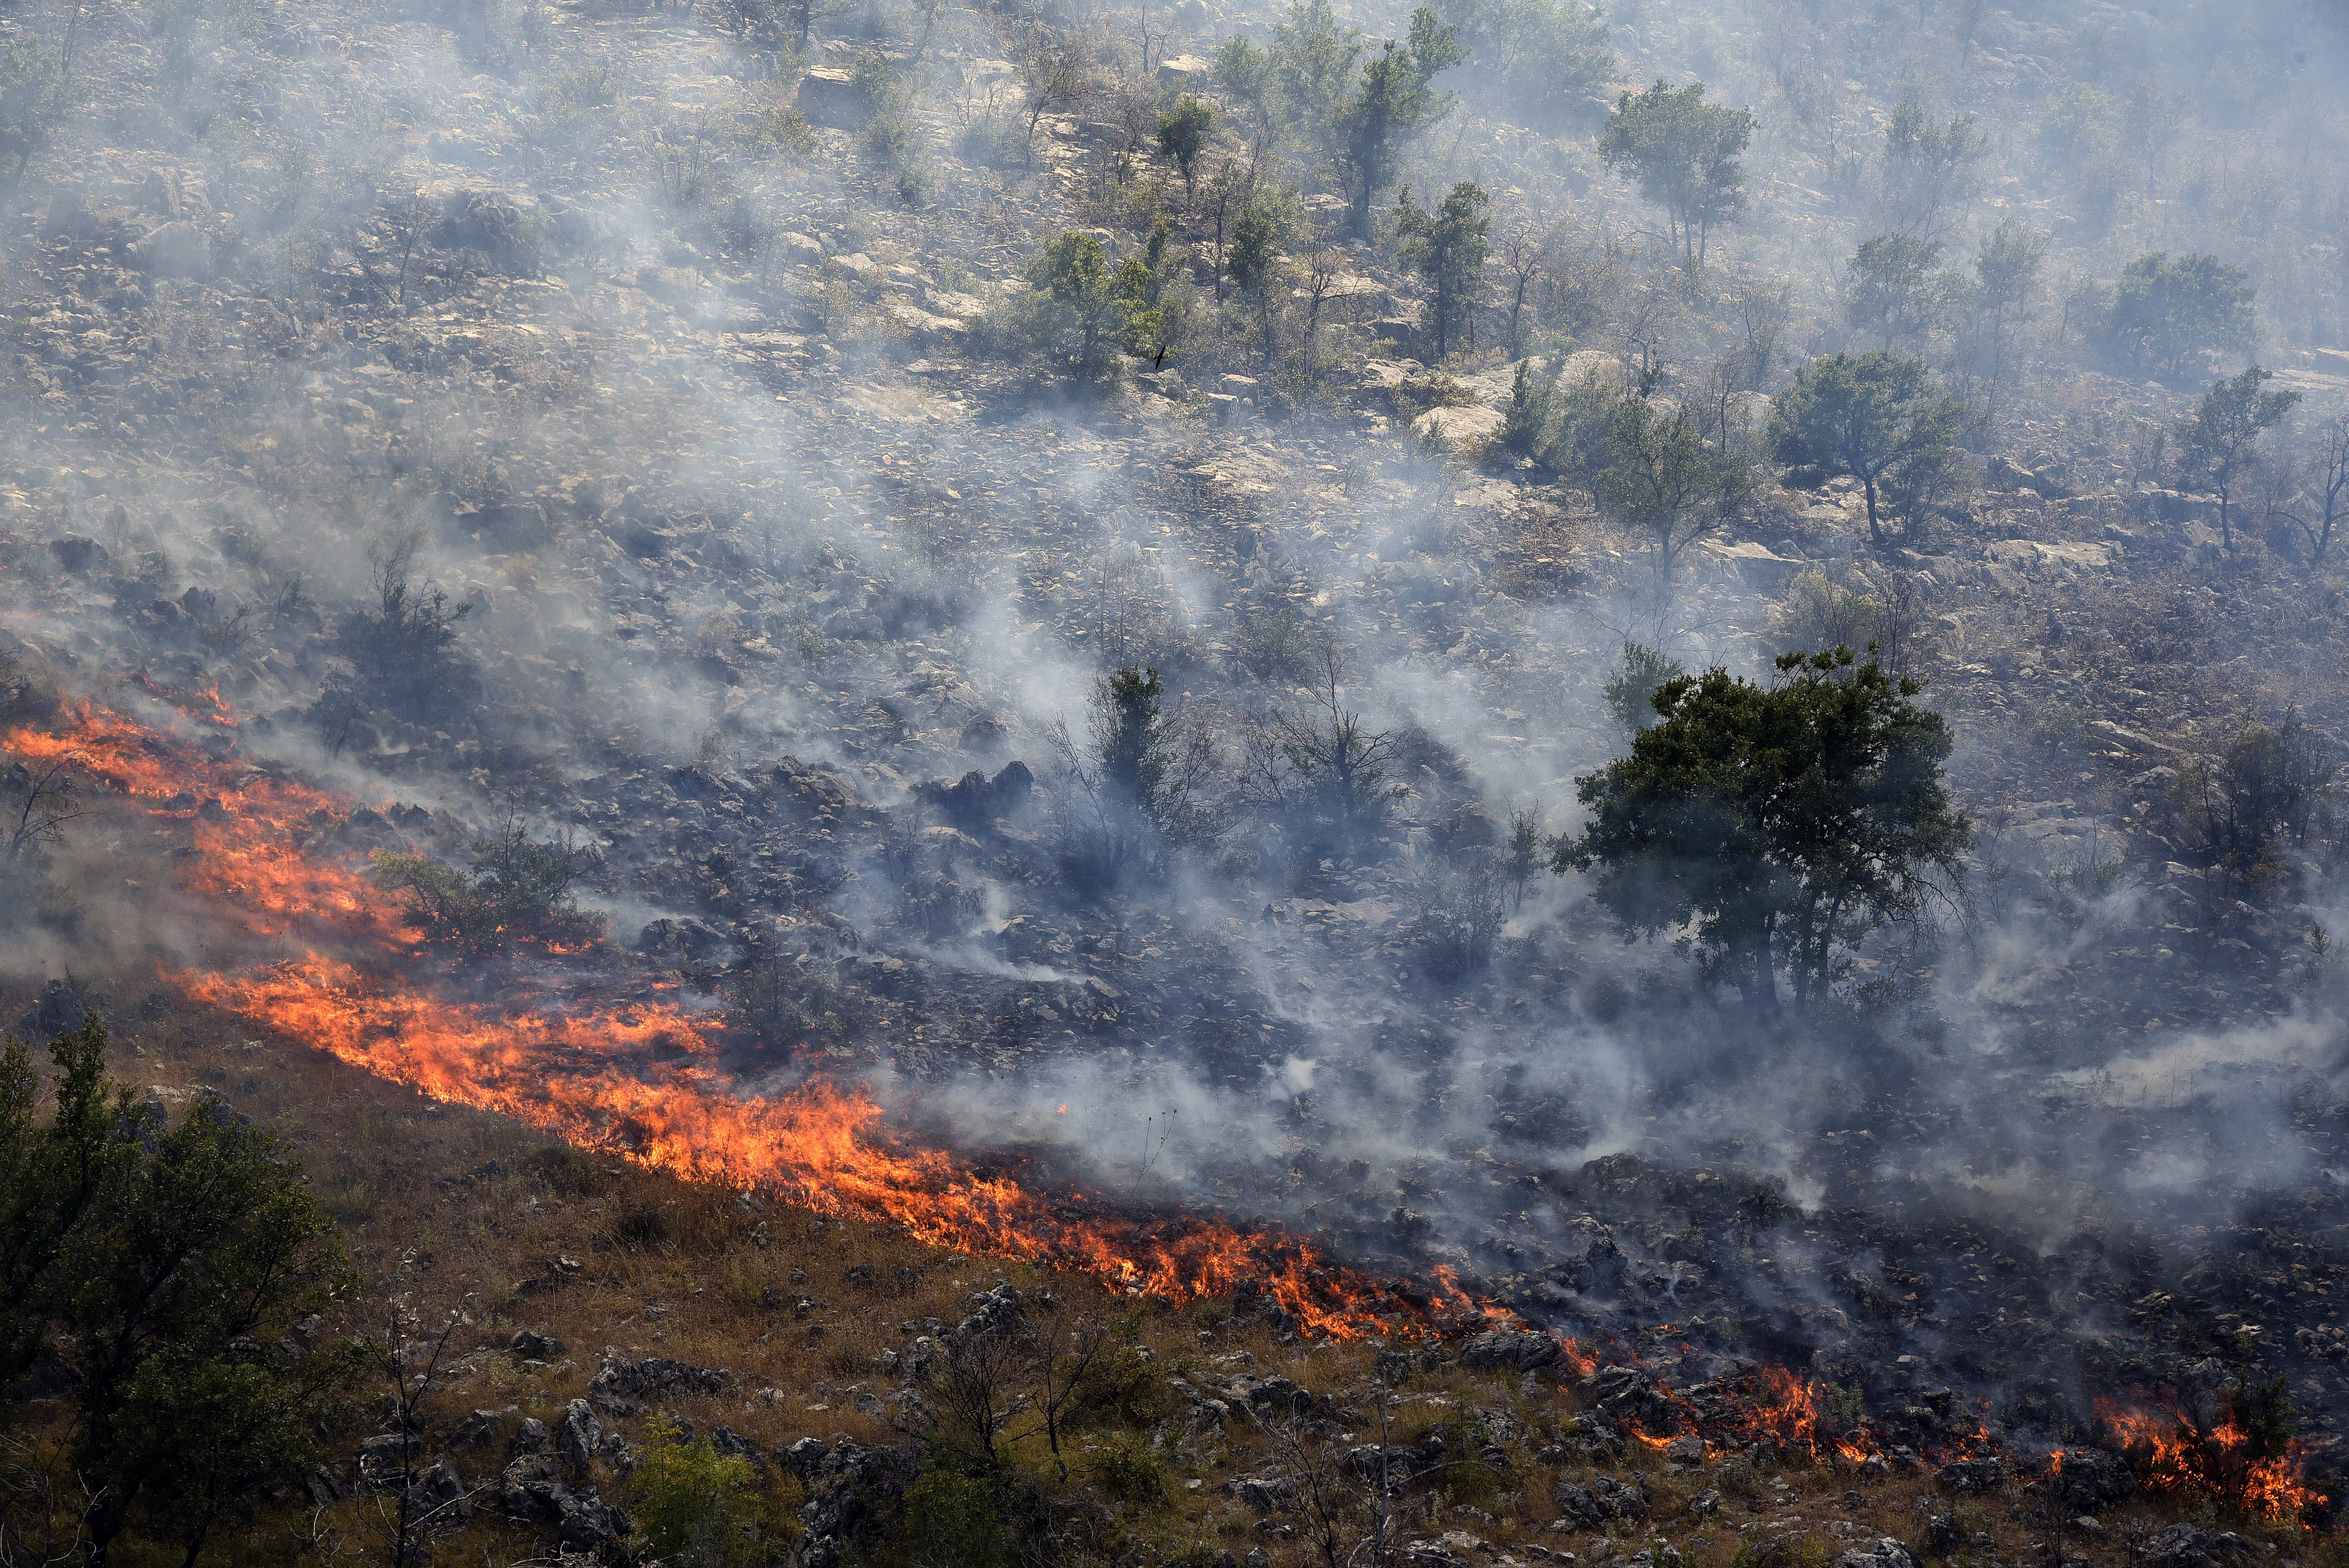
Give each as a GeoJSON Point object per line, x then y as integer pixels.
{"type": "Point", "coordinates": [467, 1211]}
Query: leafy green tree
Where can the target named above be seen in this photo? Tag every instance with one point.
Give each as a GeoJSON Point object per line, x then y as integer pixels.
{"type": "Point", "coordinates": [1548, 56]}
{"type": "Point", "coordinates": [1183, 136]}
{"type": "Point", "coordinates": [1896, 290]}
{"type": "Point", "coordinates": [1777, 825]}
{"type": "Point", "coordinates": [38, 93]}
{"type": "Point", "coordinates": [1660, 478]}
{"type": "Point", "coordinates": [182, 1274]}
{"type": "Point", "coordinates": [1244, 74]}
{"type": "Point", "coordinates": [2006, 291]}
{"type": "Point", "coordinates": [2166, 312]}
{"type": "Point", "coordinates": [1876, 418]}
{"type": "Point", "coordinates": [1531, 418]}
{"type": "Point", "coordinates": [2077, 123]}
{"type": "Point", "coordinates": [2221, 444]}
{"type": "Point", "coordinates": [1926, 167]}
{"type": "Point", "coordinates": [1630, 689]}
{"type": "Point", "coordinates": [1255, 261]}
{"type": "Point", "coordinates": [1684, 153]}
{"type": "Point", "coordinates": [1074, 304]}
{"type": "Point", "coordinates": [1310, 69]}
{"type": "Point", "coordinates": [1393, 103]}
{"type": "Point", "coordinates": [1447, 248]}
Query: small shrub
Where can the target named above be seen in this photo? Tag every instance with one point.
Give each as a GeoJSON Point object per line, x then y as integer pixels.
{"type": "Point", "coordinates": [639, 1225]}
{"type": "Point", "coordinates": [1132, 1472]}
{"type": "Point", "coordinates": [950, 1517]}
{"type": "Point", "coordinates": [697, 1508]}
{"type": "Point", "coordinates": [567, 1172]}
{"type": "Point", "coordinates": [519, 892]}
{"type": "Point", "coordinates": [993, 141]}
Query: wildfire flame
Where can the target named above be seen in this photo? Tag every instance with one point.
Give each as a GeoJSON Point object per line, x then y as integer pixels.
{"type": "Point", "coordinates": [644, 1078]}
{"type": "Point", "coordinates": [2175, 1454]}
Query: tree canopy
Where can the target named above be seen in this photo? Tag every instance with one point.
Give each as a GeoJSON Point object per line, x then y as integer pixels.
{"type": "Point", "coordinates": [2166, 313]}
{"type": "Point", "coordinates": [1876, 418]}
{"type": "Point", "coordinates": [1775, 825]}
{"type": "Point", "coordinates": [2221, 444]}
{"type": "Point", "coordinates": [1447, 247]}
{"type": "Point", "coordinates": [1684, 153]}
{"type": "Point", "coordinates": [178, 1274]}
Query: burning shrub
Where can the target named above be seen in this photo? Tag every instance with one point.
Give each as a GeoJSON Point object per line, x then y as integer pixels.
{"type": "Point", "coordinates": [520, 892]}
{"type": "Point", "coordinates": [2240, 1453]}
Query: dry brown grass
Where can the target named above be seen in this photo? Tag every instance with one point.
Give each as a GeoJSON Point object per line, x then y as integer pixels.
{"type": "Point", "coordinates": [467, 1211]}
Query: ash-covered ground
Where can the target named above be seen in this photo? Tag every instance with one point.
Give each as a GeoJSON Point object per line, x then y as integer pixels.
{"type": "Point", "coordinates": [585, 420]}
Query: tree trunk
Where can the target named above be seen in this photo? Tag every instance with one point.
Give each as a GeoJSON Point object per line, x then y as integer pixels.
{"type": "Point", "coordinates": [1875, 533]}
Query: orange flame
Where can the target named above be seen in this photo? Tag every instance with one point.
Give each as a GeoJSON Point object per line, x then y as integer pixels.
{"type": "Point", "coordinates": [643, 1079]}
{"type": "Point", "coordinates": [2175, 1454]}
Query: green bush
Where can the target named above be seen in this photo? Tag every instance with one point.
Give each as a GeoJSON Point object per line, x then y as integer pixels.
{"type": "Point", "coordinates": [697, 1508]}
{"type": "Point", "coordinates": [1132, 1472]}
{"type": "Point", "coordinates": [951, 1518]}
{"type": "Point", "coordinates": [519, 892]}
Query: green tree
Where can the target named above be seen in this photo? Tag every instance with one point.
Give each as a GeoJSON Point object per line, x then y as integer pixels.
{"type": "Point", "coordinates": [1876, 418]}
{"type": "Point", "coordinates": [1183, 136]}
{"type": "Point", "coordinates": [1896, 291]}
{"type": "Point", "coordinates": [1310, 69]}
{"type": "Point", "coordinates": [1660, 480]}
{"type": "Point", "coordinates": [2221, 444]}
{"type": "Point", "coordinates": [1245, 74]}
{"type": "Point", "coordinates": [1777, 825]}
{"type": "Point", "coordinates": [1548, 56]}
{"type": "Point", "coordinates": [1447, 248]}
{"type": "Point", "coordinates": [37, 92]}
{"type": "Point", "coordinates": [1255, 261]}
{"type": "Point", "coordinates": [1684, 153]}
{"type": "Point", "coordinates": [1393, 103]}
{"type": "Point", "coordinates": [2006, 291]}
{"type": "Point", "coordinates": [1072, 302]}
{"type": "Point", "coordinates": [2077, 124]}
{"type": "Point", "coordinates": [178, 1271]}
{"type": "Point", "coordinates": [2166, 312]}
{"type": "Point", "coordinates": [1630, 689]}
{"type": "Point", "coordinates": [1926, 167]}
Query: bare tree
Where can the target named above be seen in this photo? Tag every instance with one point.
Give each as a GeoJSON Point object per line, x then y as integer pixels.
{"type": "Point", "coordinates": [45, 1511]}
{"type": "Point", "coordinates": [1318, 765]}
{"type": "Point", "coordinates": [45, 804]}
{"type": "Point", "coordinates": [1072, 1349]}
{"type": "Point", "coordinates": [1052, 74]}
{"type": "Point", "coordinates": [1524, 253]}
{"type": "Point", "coordinates": [1324, 263]}
{"type": "Point", "coordinates": [413, 1500]}
{"type": "Point", "coordinates": [2315, 501]}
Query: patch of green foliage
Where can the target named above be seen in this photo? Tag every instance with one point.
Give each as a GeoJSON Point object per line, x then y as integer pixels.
{"type": "Point", "coordinates": [519, 892]}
